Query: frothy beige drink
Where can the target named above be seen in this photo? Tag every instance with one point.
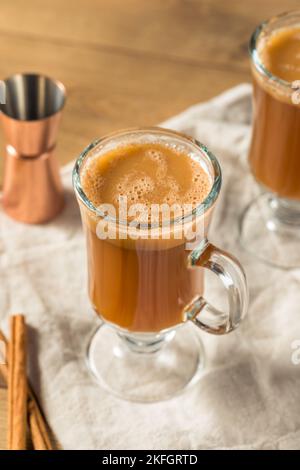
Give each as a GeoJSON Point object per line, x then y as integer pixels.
{"type": "Point", "coordinates": [146, 174]}
{"type": "Point", "coordinates": [148, 283]}
{"type": "Point", "coordinates": [139, 285]}
{"type": "Point", "coordinates": [275, 149]}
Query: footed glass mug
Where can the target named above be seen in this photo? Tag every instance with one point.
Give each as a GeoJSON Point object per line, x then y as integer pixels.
{"type": "Point", "coordinates": [148, 287]}
{"type": "Point", "coordinates": [270, 224]}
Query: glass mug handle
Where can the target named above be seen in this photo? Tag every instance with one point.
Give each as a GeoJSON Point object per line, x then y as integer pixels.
{"type": "Point", "coordinates": [232, 276]}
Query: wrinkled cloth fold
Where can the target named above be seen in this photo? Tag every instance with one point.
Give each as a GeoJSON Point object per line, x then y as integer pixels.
{"type": "Point", "coordinates": [249, 395]}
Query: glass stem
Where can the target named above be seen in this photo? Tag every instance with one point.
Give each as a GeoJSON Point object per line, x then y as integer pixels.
{"type": "Point", "coordinates": [285, 211]}
{"type": "Point", "coordinates": [145, 343]}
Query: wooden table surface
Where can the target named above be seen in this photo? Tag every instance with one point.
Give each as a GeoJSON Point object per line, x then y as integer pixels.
{"type": "Point", "coordinates": [128, 62]}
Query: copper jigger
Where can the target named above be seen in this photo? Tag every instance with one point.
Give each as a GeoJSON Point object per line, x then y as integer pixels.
{"type": "Point", "coordinates": [32, 189]}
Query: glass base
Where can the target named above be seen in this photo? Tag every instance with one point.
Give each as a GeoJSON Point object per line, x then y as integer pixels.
{"type": "Point", "coordinates": [146, 367]}
{"type": "Point", "coordinates": [270, 230]}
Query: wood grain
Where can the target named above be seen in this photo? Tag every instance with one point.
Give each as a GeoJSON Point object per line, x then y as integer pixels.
{"type": "Point", "coordinates": [128, 62]}
{"type": "Point", "coordinates": [185, 29]}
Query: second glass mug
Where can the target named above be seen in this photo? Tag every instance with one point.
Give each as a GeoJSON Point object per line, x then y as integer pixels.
{"type": "Point", "coordinates": [149, 291]}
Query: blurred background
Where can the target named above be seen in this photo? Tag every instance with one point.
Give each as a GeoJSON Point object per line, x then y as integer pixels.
{"type": "Point", "coordinates": [129, 62]}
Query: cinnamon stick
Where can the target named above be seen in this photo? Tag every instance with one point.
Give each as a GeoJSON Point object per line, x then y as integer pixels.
{"type": "Point", "coordinates": [38, 426]}
{"type": "Point", "coordinates": [17, 384]}
{"type": "Point", "coordinates": [3, 360]}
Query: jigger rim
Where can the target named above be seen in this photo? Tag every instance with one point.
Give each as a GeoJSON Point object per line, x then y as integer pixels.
{"type": "Point", "coordinates": [55, 81]}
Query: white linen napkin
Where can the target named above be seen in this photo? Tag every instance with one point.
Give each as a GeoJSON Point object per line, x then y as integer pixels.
{"type": "Point", "coordinates": [249, 394]}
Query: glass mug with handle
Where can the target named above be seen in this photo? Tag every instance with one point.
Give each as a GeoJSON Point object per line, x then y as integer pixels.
{"type": "Point", "coordinates": [148, 286]}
